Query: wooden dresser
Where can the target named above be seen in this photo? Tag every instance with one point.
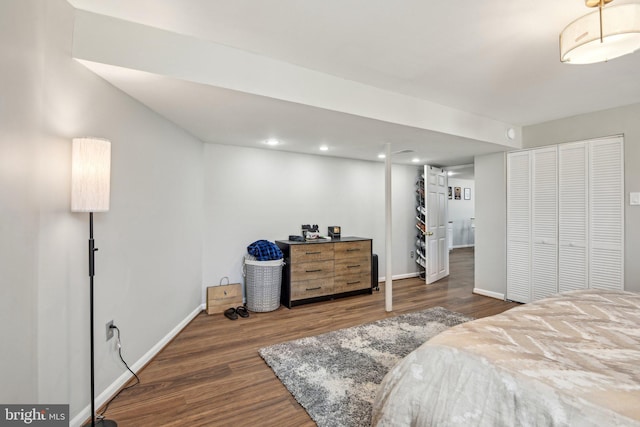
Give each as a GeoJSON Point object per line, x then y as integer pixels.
{"type": "Point", "coordinates": [325, 269]}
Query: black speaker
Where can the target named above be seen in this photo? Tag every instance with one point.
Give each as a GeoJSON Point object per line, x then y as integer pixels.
{"type": "Point", "coordinates": [374, 272]}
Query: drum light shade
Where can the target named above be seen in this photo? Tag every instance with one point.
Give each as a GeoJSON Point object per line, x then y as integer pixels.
{"type": "Point", "coordinates": [90, 175]}
{"type": "Point", "coordinates": [582, 43]}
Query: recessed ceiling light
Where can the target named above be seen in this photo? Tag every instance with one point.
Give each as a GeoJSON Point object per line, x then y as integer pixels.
{"type": "Point", "coordinates": [271, 141]}
{"type": "Point", "coordinates": [324, 148]}
{"type": "Point", "coordinates": [415, 160]}
{"type": "Point", "coordinates": [381, 156]}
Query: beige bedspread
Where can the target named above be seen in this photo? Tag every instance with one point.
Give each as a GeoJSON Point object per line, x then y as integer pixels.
{"type": "Point", "coordinates": [569, 360]}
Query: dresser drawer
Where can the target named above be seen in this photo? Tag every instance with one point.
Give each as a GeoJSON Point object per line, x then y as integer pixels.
{"type": "Point", "coordinates": [311, 288]}
{"type": "Point", "coordinates": [312, 270]}
{"type": "Point", "coordinates": [353, 265]}
{"type": "Point", "coordinates": [353, 282]}
{"type": "Point", "coordinates": [352, 249]}
{"type": "Point", "coordinates": [311, 252]}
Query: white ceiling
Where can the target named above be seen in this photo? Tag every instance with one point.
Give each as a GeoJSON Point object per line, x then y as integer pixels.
{"type": "Point", "coordinates": [496, 59]}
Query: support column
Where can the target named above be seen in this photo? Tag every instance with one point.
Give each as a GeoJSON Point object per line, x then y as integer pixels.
{"type": "Point", "coordinates": [388, 283]}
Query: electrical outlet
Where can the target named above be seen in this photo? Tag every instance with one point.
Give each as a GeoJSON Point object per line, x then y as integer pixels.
{"type": "Point", "coordinates": [109, 330]}
{"type": "Point", "coordinates": [412, 254]}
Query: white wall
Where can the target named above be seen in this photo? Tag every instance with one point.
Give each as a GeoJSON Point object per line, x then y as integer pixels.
{"type": "Point", "coordinates": [253, 194]}
{"type": "Point", "coordinates": [150, 244]}
{"type": "Point", "coordinates": [491, 230]}
{"type": "Point", "coordinates": [461, 211]}
{"type": "Point", "coordinates": [20, 109]}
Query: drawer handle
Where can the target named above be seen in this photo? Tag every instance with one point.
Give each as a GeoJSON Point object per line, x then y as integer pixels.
{"type": "Point", "coordinates": [313, 271]}
{"type": "Point", "coordinates": [353, 266]}
{"type": "Point", "coordinates": [314, 289]}
{"type": "Point", "coordinates": [353, 249]}
{"type": "Point", "coordinates": [353, 283]}
{"type": "Point", "coordinates": [312, 253]}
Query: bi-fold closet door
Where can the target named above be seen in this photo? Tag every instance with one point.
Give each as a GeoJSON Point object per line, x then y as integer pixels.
{"type": "Point", "coordinates": [532, 224]}
{"type": "Point", "coordinates": [565, 219]}
{"type": "Point", "coordinates": [605, 214]}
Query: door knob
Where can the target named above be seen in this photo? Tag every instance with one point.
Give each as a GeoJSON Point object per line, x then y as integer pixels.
{"type": "Point", "coordinates": [429, 233]}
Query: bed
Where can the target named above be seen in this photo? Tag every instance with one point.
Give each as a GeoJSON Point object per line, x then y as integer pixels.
{"type": "Point", "coordinates": [569, 360]}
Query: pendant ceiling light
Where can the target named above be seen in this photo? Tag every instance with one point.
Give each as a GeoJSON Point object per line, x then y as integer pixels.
{"type": "Point", "coordinates": [602, 35]}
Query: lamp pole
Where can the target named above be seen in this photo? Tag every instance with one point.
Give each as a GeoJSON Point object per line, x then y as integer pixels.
{"type": "Point", "coordinates": [92, 250]}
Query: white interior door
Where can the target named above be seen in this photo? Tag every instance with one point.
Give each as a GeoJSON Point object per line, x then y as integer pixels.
{"type": "Point", "coordinates": [436, 227]}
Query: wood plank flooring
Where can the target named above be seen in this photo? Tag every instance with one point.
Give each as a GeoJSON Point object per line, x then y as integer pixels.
{"type": "Point", "coordinates": [211, 373]}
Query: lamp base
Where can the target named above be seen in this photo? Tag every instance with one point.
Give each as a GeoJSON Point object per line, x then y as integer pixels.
{"type": "Point", "coordinates": [102, 423]}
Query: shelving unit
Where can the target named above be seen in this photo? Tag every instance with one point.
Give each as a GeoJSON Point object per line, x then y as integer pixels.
{"type": "Point", "coordinates": [421, 224]}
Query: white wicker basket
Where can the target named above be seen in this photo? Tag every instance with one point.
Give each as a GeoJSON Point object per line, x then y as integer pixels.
{"type": "Point", "coordinates": [262, 281]}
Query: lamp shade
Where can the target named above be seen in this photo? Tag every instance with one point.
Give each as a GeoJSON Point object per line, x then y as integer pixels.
{"type": "Point", "coordinates": [90, 174]}
{"type": "Point", "coordinates": [580, 41]}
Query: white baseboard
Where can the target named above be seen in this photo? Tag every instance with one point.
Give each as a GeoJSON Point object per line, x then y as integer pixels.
{"type": "Point", "coordinates": [463, 246]}
{"type": "Point", "coordinates": [400, 276]}
{"type": "Point", "coordinates": [491, 294]}
{"type": "Point", "coordinates": [139, 364]}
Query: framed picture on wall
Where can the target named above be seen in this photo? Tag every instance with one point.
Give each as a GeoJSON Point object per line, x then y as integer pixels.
{"type": "Point", "coordinates": [467, 194]}
{"type": "Point", "coordinates": [450, 193]}
{"type": "Point", "coordinates": [456, 192]}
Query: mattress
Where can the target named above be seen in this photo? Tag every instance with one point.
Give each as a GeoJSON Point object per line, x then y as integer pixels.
{"type": "Point", "coordinates": [569, 360]}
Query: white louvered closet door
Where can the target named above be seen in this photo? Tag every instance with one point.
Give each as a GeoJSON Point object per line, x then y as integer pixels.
{"type": "Point", "coordinates": [518, 227]}
{"type": "Point", "coordinates": [544, 222]}
{"type": "Point", "coordinates": [573, 212]}
{"type": "Point", "coordinates": [606, 214]}
{"type": "Point", "coordinates": [565, 219]}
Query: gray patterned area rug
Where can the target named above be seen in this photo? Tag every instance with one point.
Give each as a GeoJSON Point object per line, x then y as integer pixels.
{"type": "Point", "coordinates": [335, 376]}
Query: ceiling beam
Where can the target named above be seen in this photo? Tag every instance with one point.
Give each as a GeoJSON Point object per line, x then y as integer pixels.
{"type": "Point", "coordinates": [107, 40]}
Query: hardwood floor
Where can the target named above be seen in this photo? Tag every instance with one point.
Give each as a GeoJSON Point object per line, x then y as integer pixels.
{"type": "Point", "coordinates": [211, 373]}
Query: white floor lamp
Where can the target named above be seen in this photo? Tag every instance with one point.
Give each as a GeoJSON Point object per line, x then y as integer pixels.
{"type": "Point", "coordinates": [90, 187]}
